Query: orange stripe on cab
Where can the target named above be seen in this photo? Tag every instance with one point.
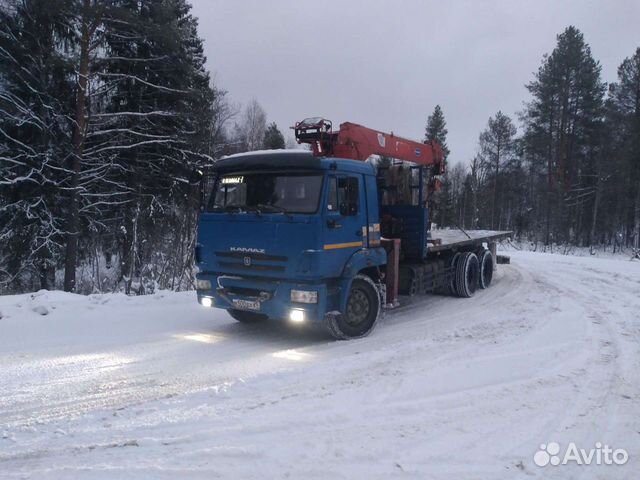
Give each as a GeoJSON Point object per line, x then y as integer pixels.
{"type": "Point", "coordinates": [335, 246]}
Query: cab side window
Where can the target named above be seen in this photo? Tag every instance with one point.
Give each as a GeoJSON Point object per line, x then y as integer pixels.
{"type": "Point", "coordinates": [348, 195]}
{"type": "Point", "coordinates": [332, 202]}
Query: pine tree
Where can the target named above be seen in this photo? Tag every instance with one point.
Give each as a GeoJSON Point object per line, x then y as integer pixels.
{"type": "Point", "coordinates": [85, 23]}
{"type": "Point", "coordinates": [108, 109]}
{"type": "Point", "coordinates": [442, 202]}
{"type": "Point", "coordinates": [161, 108]}
{"type": "Point", "coordinates": [35, 121]}
{"type": "Point", "coordinates": [273, 138]}
{"type": "Point", "coordinates": [624, 123]}
{"type": "Point", "coordinates": [562, 123]}
{"type": "Point", "coordinates": [436, 130]}
{"type": "Point", "coordinates": [497, 151]}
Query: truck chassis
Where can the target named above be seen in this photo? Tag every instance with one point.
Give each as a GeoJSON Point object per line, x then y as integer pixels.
{"type": "Point", "coordinates": [344, 256]}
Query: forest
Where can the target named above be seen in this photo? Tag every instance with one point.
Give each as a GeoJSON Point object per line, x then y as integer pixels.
{"type": "Point", "coordinates": [107, 107]}
{"type": "Point", "coordinates": [566, 171]}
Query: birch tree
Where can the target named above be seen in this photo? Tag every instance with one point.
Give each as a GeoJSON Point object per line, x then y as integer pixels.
{"type": "Point", "coordinates": [253, 124]}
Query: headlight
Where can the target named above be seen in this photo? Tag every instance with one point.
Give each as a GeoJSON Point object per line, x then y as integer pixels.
{"type": "Point", "coordinates": [296, 316]}
{"type": "Point", "coordinates": [304, 296]}
{"type": "Point", "coordinates": [203, 285]}
{"type": "Point", "coordinates": [206, 302]}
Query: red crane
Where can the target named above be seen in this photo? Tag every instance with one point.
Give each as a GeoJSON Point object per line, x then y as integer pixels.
{"type": "Point", "coordinates": [356, 142]}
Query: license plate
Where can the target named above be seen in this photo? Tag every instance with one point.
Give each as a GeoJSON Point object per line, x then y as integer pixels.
{"type": "Point", "coordinates": [246, 304]}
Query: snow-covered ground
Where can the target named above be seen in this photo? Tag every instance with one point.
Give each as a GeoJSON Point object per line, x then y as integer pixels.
{"type": "Point", "coordinates": [157, 387]}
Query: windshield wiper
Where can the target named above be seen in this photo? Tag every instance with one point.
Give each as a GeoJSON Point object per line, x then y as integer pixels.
{"type": "Point", "coordinates": [228, 208]}
{"type": "Point", "coordinates": [274, 208]}
{"type": "Point", "coordinates": [258, 208]}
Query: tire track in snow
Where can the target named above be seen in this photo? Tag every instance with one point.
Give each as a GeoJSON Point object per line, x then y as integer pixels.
{"type": "Point", "coordinates": [445, 387]}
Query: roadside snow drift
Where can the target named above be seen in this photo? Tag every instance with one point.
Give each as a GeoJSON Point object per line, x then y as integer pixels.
{"type": "Point", "coordinates": [111, 386]}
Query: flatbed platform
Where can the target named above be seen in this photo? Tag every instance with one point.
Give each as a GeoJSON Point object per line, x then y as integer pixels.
{"type": "Point", "coordinates": [440, 240]}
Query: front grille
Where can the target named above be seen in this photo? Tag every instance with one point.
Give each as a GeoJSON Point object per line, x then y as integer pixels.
{"type": "Point", "coordinates": [251, 262]}
{"type": "Point", "coordinates": [247, 292]}
{"type": "Point", "coordinates": [253, 266]}
{"type": "Point", "coordinates": [252, 256]}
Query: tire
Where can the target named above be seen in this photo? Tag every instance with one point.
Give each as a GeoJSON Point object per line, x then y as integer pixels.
{"type": "Point", "coordinates": [362, 312]}
{"type": "Point", "coordinates": [452, 285]}
{"type": "Point", "coordinates": [247, 317]}
{"type": "Point", "coordinates": [486, 269]}
{"type": "Point", "coordinates": [467, 274]}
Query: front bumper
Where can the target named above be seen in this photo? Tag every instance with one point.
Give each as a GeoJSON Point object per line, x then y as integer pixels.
{"type": "Point", "coordinates": [272, 296]}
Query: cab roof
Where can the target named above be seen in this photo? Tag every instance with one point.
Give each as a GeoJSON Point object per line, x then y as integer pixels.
{"type": "Point", "coordinates": [289, 160]}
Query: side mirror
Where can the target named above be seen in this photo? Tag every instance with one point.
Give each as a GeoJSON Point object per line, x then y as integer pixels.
{"type": "Point", "coordinates": [196, 176]}
{"type": "Point", "coordinates": [203, 180]}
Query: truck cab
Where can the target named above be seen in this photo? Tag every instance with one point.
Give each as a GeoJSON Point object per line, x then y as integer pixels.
{"type": "Point", "coordinates": [291, 236]}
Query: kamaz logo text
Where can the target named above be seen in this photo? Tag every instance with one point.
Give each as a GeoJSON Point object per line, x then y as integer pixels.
{"type": "Point", "coordinates": [246, 250]}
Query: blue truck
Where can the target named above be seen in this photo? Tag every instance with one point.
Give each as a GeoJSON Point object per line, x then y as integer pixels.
{"type": "Point", "coordinates": [322, 236]}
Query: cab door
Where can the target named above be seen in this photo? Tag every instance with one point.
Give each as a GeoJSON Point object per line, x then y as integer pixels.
{"type": "Point", "coordinates": [345, 218]}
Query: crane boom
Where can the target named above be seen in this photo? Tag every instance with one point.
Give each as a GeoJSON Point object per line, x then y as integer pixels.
{"type": "Point", "coordinates": [357, 142]}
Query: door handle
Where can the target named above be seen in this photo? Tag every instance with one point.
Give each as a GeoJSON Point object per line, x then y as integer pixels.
{"type": "Point", "coordinates": [333, 224]}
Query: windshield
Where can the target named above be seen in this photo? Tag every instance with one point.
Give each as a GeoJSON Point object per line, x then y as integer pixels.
{"type": "Point", "coordinates": [267, 192]}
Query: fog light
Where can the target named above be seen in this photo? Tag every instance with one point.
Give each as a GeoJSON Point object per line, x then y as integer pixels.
{"type": "Point", "coordinates": [304, 296]}
{"type": "Point", "coordinates": [296, 316]}
{"type": "Point", "coordinates": [203, 284]}
{"type": "Point", "coordinates": [206, 302]}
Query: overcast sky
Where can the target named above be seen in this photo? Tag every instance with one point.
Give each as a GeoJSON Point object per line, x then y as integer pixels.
{"type": "Point", "coordinates": [386, 64]}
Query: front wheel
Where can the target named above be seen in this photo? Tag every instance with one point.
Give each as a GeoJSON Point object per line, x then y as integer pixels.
{"type": "Point", "coordinates": [247, 317]}
{"type": "Point", "coordinates": [361, 314]}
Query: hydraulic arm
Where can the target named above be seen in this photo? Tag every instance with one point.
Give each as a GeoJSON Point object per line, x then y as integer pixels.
{"type": "Point", "coordinates": [353, 141]}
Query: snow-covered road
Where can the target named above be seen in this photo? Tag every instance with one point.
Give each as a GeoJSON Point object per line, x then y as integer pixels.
{"type": "Point", "coordinates": [157, 387]}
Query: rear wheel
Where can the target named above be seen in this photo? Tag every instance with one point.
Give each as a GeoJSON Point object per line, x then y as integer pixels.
{"type": "Point", "coordinates": [247, 317]}
{"type": "Point", "coordinates": [451, 288]}
{"type": "Point", "coordinates": [361, 314]}
{"type": "Point", "coordinates": [467, 274]}
{"type": "Point", "coordinates": [486, 269]}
